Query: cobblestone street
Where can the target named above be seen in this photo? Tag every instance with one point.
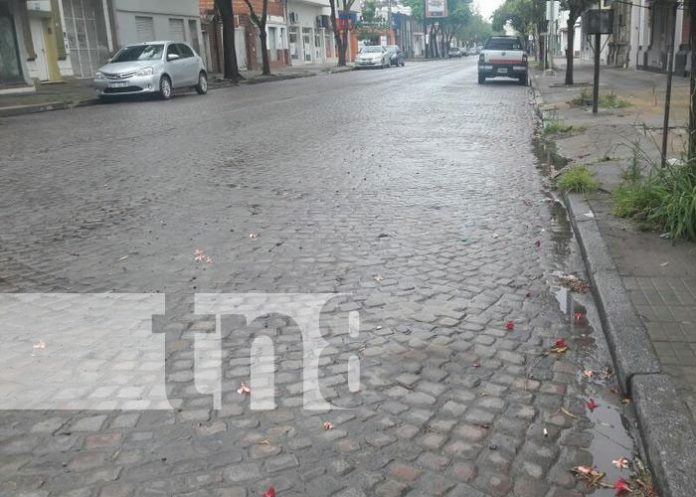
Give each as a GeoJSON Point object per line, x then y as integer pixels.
{"type": "Point", "coordinates": [413, 192]}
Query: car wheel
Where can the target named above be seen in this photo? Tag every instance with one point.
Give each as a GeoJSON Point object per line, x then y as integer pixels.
{"type": "Point", "coordinates": [524, 80]}
{"type": "Point", "coordinates": [403, 63]}
{"type": "Point", "coordinates": [165, 88]}
{"type": "Point", "coordinates": [482, 79]}
{"type": "Point", "coordinates": [202, 86]}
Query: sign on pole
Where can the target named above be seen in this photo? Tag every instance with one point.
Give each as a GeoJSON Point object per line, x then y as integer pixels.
{"type": "Point", "coordinates": [436, 8]}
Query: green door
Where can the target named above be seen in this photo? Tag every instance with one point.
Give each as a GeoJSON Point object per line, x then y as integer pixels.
{"type": "Point", "coordinates": [10, 70]}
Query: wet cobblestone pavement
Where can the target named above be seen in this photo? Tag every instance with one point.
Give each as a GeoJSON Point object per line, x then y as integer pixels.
{"type": "Point", "coordinates": [413, 192]}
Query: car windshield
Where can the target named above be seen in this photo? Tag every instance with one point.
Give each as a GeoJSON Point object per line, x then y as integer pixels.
{"type": "Point", "coordinates": [139, 52]}
{"type": "Point", "coordinates": [371, 49]}
{"type": "Point", "coordinates": [503, 44]}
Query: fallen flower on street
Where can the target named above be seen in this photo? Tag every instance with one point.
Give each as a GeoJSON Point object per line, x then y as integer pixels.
{"type": "Point", "coordinates": [592, 405]}
{"type": "Point", "coordinates": [200, 256]}
{"type": "Point", "coordinates": [588, 373]}
{"type": "Point", "coordinates": [537, 243]}
{"type": "Point", "coordinates": [559, 346]}
{"type": "Point", "coordinates": [591, 476]}
{"type": "Point", "coordinates": [254, 236]}
{"type": "Point", "coordinates": [510, 325]}
{"type": "Point", "coordinates": [328, 425]}
{"type": "Point", "coordinates": [270, 492]}
{"type": "Point", "coordinates": [621, 463]}
{"type": "Point", "coordinates": [40, 345]}
{"type": "Point", "coordinates": [243, 389]}
{"type": "Point", "coordinates": [621, 486]}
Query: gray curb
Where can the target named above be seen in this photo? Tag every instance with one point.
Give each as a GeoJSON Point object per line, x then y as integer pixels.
{"type": "Point", "coordinates": [19, 110]}
{"type": "Point", "coordinates": [664, 423]}
{"type": "Point", "coordinates": [669, 440]}
{"type": "Point", "coordinates": [628, 338]}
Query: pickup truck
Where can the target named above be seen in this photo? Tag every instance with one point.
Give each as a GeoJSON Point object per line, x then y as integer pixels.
{"type": "Point", "coordinates": [503, 56]}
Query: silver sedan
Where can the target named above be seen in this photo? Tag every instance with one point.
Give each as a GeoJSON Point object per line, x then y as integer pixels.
{"type": "Point", "coordinates": [156, 67]}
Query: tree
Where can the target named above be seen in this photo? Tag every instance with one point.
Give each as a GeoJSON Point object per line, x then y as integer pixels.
{"type": "Point", "coordinates": [369, 11]}
{"type": "Point", "coordinates": [340, 34]}
{"type": "Point", "coordinates": [476, 30]}
{"type": "Point", "coordinates": [575, 9]}
{"type": "Point", "coordinates": [260, 23]}
{"type": "Point", "coordinates": [527, 17]}
{"type": "Point", "coordinates": [226, 12]}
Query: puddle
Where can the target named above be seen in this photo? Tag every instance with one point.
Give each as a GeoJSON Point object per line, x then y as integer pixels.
{"type": "Point", "coordinates": [612, 422]}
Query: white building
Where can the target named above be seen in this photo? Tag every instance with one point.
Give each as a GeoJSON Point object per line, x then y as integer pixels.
{"type": "Point", "coordinates": [310, 36]}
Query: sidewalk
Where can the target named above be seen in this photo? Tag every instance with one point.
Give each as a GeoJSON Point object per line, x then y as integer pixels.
{"type": "Point", "coordinates": [657, 276]}
{"type": "Point", "coordinates": [76, 93]}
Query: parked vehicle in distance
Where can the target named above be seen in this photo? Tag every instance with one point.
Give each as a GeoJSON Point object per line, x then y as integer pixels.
{"type": "Point", "coordinates": [397, 55]}
{"type": "Point", "coordinates": [503, 56]}
{"type": "Point", "coordinates": [373, 56]}
{"type": "Point", "coordinates": [156, 67]}
{"type": "Point", "coordinates": [454, 52]}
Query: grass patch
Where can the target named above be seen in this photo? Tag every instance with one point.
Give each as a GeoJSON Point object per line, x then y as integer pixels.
{"type": "Point", "coordinates": [578, 179]}
{"type": "Point", "coordinates": [665, 200]}
{"type": "Point", "coordinates": [606, 101]}
{"type": "Point", "coordinates": [556, 127]}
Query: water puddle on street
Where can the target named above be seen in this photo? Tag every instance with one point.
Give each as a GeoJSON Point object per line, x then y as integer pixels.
{"type": "Point", "coordinates": [611, 423]}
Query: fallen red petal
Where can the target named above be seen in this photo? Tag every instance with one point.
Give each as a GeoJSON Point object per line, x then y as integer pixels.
{"type": "Point", "coordinates": [560, 344]}
{"type": "Point", "coordinates": [270, 492]}
{"type": "Point", "coordinates": [510, 325]}
{"type": "Point", "coordinates": [592, 405]}
{"type": "Point", "coordinates": [621, 486]}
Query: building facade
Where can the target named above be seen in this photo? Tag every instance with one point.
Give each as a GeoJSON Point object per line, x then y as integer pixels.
{"type": "Point", "coordinates": [49, 40]}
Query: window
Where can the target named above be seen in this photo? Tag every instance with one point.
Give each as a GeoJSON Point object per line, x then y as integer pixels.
{"type": "Point", "coordinates": [172, 50]}
{"type": "Point", "coordinates": [145, 28]}
{"type": "Point", "coordinates": [139, 52]}
{"type": "Point", "coordinates": [503, 44]}
{"type": "Point", "coordinates": [273, 43]}
{"type": "Point", "coordinates": [294, 43]}
{"type": "Point", "coordinates": [184, 50]}
{"type": "Point", "coordinates": [176, 30]}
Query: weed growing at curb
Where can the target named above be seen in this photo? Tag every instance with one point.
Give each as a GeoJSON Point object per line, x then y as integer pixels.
{"type": "Point", "coordinates": [578, 179]}
{"type": "Point", "coordinates": [606, 101]}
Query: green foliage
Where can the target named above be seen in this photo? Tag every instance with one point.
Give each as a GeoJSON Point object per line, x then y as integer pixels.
{"type": "Point", "coordinates": [369, 11]}
{"type": "Point", "coordinates": [522, 15]}
{"type": "Point", "coordinates": [578, 179]}
{"type": "Point", "coordinates": [554, 127]}
{"type": "Point", "coordinates": [606, 101]}
{"type": "Point", "coordinates": [476, 30]}
{"type": "Point", "coordinates": [665, 200]}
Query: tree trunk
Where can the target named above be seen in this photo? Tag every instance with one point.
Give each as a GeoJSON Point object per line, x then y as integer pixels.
{"type": "Point", "coordinates": [344, 44]}
{"type": "Point", "coordinates": [570, 49]}
{"type": "Point", "coordinates": [231, 70]}
{"type": "Point", "coordinates": [265, 63]}
{"type": "Point", "coordinates": [337, 35]}
{"type": "Point", "coordinates": [692, 106]}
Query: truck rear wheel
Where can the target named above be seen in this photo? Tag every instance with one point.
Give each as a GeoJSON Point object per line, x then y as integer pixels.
{"type": "Point", "coordinates": [482, 79]}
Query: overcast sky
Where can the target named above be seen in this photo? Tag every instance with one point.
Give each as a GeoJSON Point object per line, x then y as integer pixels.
{"type": "Point", "coordinates": [486, 7]}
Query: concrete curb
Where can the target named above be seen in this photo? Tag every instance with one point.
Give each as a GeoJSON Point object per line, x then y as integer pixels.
{"type": "Point", "coordinates": [667, 433]}
{"type": "Point", "coordinates": [19, 110]}
{"type": "Point", "coordinates": [664, 423]}
{"type": "Point", "coordinates": [628, 338]}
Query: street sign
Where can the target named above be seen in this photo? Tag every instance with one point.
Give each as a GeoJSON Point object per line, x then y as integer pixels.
{"type": "Point", "coordinates": [598, 22]}
{"type": "Point", "coordinates": [436, 8]}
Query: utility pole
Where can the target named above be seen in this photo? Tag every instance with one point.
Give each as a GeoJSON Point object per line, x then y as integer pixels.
{"type": "Point", "coordinates": [670, 70]}
{"type": "Point", "coordinates": [595, 89]}
{"type": "Point", "coordinates": [425, 29]}
{"type": "Point", "coordinates": [692, 101]}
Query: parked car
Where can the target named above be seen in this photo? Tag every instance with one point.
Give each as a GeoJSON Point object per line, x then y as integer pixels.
{"type": "Point", "coordinates": [373, 56]}
{"type": "Point", "coordinates": [454, 52]}
{"type": "Point", "coordinates": [397, 56]}
{"type": "Point", "coordinates": [156, 67]}
{"type": "Point", "coordinates": [503, 56]}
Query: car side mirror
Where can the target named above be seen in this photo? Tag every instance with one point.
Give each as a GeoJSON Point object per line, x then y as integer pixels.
{"type": "Point", "coordinates": [173, 56]}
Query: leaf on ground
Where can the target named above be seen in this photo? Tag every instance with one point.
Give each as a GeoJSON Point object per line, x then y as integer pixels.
{"type": "Point", "coordinates": [573, 283]}
{"type": "Point", "coordinates": [568, 413]}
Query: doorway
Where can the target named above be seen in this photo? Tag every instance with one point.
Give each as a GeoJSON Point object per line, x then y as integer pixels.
{"type": "Point", "coordinates": [307, 44]}
{"type": "Point", "coordinates": [43, 35]}
{"type": "Point", "coordinates": [10, 71]}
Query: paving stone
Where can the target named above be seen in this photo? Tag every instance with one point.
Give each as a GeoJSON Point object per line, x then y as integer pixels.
{"type": "Point", "coordinates": [404, 472]}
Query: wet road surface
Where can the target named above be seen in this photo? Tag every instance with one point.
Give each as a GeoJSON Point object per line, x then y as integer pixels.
{"type": "Point", "coordinates": [413, 192]}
